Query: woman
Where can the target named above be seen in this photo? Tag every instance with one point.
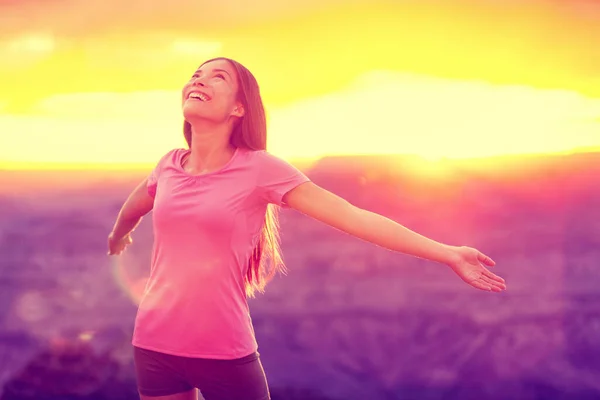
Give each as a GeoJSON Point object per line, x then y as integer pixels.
{"type": "Point", "coordinates": [216, 242]}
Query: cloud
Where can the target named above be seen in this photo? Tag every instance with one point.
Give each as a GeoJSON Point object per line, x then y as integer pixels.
{"type": "Point", "coordinates": [26, 49]}
{"type": "Point", "coordinates": [196, 47]}
{"type": "Point", "coordinates": [133, 127]}
{"type": "Point", "coordinates": [45, 139]}
{"type": "Point", "coordinates": [382, 112]}
{"type": "Point", "coordinates": [74, 17]}
{"type": "Point", "coordinates": [82, 18]}
{"type": "Point", "coordinates": [388, 112]}
{"type": "Point", "coordinates": [302, 48]}
{"type": "Point", "coordinates": [41, 43]}
{"type": "Point", "coordinates": [158, 104]}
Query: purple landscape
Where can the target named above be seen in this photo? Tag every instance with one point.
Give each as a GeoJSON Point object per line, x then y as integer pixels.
{"type": "Point", "coordinates": [350, 320]}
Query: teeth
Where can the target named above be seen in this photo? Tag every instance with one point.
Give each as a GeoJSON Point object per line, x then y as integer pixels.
{"type": "Point", "coordinates": [199, 96]}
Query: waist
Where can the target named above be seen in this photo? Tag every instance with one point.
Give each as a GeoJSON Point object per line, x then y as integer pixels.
{"type": "Point", "coordinates": [253, 356]}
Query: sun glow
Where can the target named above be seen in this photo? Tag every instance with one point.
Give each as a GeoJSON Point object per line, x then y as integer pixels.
{"type": "Point", "coordinates": [449, 79]}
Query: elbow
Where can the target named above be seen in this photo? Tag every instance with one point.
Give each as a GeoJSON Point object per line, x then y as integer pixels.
{"type": "Point", "coordinates": [354, 218]}
{"type": "Point", "coordinates": [129, 216]}
{"type": "Point", "coordinates": [135, 211]}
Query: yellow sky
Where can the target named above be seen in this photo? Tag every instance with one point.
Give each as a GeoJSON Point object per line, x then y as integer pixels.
{"type": "Point", "coordinates": [452, 78]}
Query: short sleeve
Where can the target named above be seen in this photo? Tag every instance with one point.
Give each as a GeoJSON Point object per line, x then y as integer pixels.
{"type": "Point", "coordinates": [276, 177]}
{"type": "Point", "coordinates": [152, 181]}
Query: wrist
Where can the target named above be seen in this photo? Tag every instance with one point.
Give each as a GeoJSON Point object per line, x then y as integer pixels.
{"type": "Point", "coordinates": [450, 255]}
{"type": "Point", "coordinates": [115, 236]}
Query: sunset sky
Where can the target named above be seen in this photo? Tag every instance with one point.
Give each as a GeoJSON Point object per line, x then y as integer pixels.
{"type": "Point", "coordinates": [98, 81]}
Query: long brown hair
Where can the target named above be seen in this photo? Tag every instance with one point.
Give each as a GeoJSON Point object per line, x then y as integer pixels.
{"type": "Point", "coordinates": [250, 132]}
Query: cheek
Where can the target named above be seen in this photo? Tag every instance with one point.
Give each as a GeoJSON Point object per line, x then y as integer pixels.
{"type": "Point", "coordinates": [229, 99]}
{"type": "Point", "coordinates": [184, 90]}
{"type": "Point", "coordinates": [224, 93]}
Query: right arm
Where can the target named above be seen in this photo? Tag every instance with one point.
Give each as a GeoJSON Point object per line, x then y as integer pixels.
{"type": "Point", "coordinates": [138, 204]}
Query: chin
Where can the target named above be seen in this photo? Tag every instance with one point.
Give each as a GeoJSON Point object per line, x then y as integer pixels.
{"type": "Point", "coordinates": [192, 113]}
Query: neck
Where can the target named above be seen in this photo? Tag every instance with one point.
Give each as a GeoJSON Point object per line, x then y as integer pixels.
{"type": "Point", "coordinates": [211, 147]}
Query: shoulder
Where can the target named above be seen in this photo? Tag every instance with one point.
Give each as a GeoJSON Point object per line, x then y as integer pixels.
{"type": "Point", "coordinates": [174, 153]}
{"type": "Point", "coordinates": [262, 158]}
{"type": "Point", "coordinates": [172, 157]}
{"type": "Point", "coordinates": [169, 160]}
{"type": "Point", "coordinates": [273, 169]}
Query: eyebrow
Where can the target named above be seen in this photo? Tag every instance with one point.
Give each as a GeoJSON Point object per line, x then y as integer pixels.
{"type": "Point", "coordinates": [214, 70]}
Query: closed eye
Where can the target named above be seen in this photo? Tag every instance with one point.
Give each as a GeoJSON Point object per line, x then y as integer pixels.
{"type": "Point", "coordinates": [220, 76]}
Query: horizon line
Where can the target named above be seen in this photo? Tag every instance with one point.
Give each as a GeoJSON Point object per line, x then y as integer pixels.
{"type": "Point", "coordinates": [134, 167]}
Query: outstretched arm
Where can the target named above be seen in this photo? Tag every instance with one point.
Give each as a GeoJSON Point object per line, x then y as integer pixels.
{"type": "Point", "coordinates": [324, 206]}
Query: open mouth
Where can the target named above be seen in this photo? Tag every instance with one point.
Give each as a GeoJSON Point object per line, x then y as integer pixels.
{"type": "Point", "coordinates": [199, 96]}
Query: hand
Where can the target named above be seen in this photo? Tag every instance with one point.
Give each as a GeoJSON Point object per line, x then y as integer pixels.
{"type": "Point", "coordinates": [117, 246]}
{"type": "Point", "coordinates": [470, 264]}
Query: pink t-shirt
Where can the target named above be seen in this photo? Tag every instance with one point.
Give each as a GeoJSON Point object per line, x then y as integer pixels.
{"type": "Point", "coordinates": [205, 229]}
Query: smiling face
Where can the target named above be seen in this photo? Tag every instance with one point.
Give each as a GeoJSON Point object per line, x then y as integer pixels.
{"type": "Point", "coordinates": [212, 93]}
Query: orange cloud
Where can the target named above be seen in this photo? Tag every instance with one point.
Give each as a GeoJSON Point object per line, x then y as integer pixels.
{"type": "Point", "coordinates": [300, 49]}
{"type": "Point", "coordinates": [381, 113]}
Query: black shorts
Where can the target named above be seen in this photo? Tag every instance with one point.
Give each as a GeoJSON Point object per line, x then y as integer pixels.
{"type": "Point", "coordinates": [160, 374]}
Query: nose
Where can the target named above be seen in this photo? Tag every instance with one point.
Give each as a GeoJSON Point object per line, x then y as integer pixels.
{"type": "Point", "coordinates": [198, 82]}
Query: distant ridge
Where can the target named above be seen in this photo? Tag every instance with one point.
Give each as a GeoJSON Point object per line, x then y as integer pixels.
{"type": "Point", "coordinates": [412, 168]}
{"type": "Point", "coordinates": [509, 165]}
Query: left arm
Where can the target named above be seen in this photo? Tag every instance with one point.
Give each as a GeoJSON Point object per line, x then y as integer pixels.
{"type": "Point", "coordinates": [338, 213]}
{"type": "Point", "coordinates": [335, 211]}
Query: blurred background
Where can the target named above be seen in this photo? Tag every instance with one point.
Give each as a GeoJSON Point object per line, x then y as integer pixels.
{"type": "Point", "coordinates": [474, 122]}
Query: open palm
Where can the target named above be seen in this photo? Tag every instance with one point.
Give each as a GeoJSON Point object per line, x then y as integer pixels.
{"type": "Point", "coordinates": [471, 265]}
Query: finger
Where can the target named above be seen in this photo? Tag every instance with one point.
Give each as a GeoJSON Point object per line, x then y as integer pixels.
{"type": "Point", "coordinates": [493, 276]}
{"type": "Point", "coordinates": [486, 260]}
{"type": "Point", "coordinates": [496, 286]}
{"type": "Point", "coordinates": [480, 285]}
{"type": "Point", "coordinates": [496, 289]}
